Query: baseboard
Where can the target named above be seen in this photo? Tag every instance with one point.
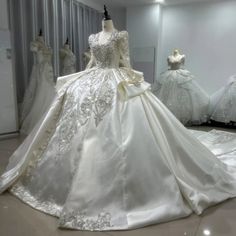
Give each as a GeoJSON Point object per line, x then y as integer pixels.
{"type": "Point", "coordinates": [9, 135]}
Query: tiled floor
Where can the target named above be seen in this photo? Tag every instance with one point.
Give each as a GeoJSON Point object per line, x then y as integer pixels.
{"type": "Point", "coordinates": [18, 219]}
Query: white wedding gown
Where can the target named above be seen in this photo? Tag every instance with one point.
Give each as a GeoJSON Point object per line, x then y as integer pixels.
{"type": "Point", "coordinates": [178, 90]}
{"type": "Point", "coordinates": [41, 89]}
{"type": "Point", "coordinates": [109, 155]}
{"type": "Point", "coordinates": [68, 61]}
{"type": "Point", "coordinates": [223, 103]}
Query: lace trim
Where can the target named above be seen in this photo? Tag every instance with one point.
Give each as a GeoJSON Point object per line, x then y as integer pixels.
{"type": "Point", "coordinates": [49, 207]}
{"type": "Point", "coordinates": [92, 101]}
{"type": "Point", "coordinates": [222, 137]}
{"type": "Point", "coordinates": [37, 154]}
{"type": "Point", "coordinates": [78, 220]}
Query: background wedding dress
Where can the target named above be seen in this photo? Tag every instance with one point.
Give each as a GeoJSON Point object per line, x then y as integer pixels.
{"type": "Point", "coordinates": [223, 103]}
{"type": "Point", "coordinates": [40, 91]}
{"type": "Point", "coordinates": [178, 90]}
{"type": "Point", "coordinates": [109, 155]}
{"type": "Point", "coordinates": [68, 60]}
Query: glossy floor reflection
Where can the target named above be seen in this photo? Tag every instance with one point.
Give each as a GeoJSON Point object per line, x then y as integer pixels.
{"type": "Point", "coordinates": [18, 219]}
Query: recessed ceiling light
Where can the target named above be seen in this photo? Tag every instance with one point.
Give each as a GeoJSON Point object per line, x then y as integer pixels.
{"type": "Point", "coordinates": [160, 1]}
{"type": "Point", "coordinates": [207, 232]}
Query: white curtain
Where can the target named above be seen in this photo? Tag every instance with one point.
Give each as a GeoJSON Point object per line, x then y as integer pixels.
{"type": "Point", "coordinates": [58, 20]}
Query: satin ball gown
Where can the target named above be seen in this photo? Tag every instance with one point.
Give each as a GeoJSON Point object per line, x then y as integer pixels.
{"type": "Point", "coordinates": [109, 155]}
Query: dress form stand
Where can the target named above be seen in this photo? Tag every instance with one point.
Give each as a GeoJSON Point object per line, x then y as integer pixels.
{"type": "Point", "coordinates": [107, 27]}
{"type": "Point", "coordinates": [107, 31]}
{"type": "Point", "coordinates": [176, 60]}
{"type": "Point", "coordinates": [68, 59]}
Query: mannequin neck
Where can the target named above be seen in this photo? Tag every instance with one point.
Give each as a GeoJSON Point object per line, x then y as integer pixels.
{"type": "Point", "coordinates": [107, 26]}
{"type": "Point", "coordinates": [40, 39]}
{"type": "Point", "coordinates": [66, 46]}
{"type": "Point", "coordinates": [176, 53]}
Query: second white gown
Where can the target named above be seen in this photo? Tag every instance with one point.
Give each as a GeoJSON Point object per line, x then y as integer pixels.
{"type": "Point", "coordinates": [178, 90]}
{"type": "Point", "coordinates": [41, 89]}
{"type": "Point", "coordinates": [109, 155]}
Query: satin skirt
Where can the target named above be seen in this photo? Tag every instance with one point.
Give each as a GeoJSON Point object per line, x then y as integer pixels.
{"type": "Point", "coordinates": [108, 155]}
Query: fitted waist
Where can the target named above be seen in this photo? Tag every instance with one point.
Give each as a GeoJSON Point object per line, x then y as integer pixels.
{"type": "Point", "coordinates": [107, 66]}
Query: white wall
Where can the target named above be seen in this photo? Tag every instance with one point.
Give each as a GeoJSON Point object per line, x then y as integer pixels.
{"type": "Point", "coordinates": [118, 15]}
{"type": "Point", "coordinates": [93, 4]}
{"type": "Point", "coordinates": [143, 25]}
{"type": "Point", "coordinates": [206, 33]}
{"type": "Point", "coordinates": [3, 15]}
{"type": "Point", "coordinates": [8, 110]}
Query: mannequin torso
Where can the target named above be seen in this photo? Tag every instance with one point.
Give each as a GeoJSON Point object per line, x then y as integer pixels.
{"type": "Point", "coordinates": [68, 60]}
{"type": "Point", "coordinates": [107, 30]}
{"type": "Point", "coordinates": [176, 60]}
{"type": "Point", "coordinates": [66, 51]}
{"type": "Point", "coordinates": [41, 51]}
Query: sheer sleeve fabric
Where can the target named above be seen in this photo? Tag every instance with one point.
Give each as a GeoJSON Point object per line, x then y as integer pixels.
{"type": "Point", "coordinates": [124, 49]}
{"type": "Point", "coordinates": [91, 62]}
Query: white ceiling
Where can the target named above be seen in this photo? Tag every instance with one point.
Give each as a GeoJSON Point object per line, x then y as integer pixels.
{"type": "Point", "coordinates": [126, 3]}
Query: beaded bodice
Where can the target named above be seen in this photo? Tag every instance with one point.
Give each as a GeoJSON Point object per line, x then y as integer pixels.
{"type": "Point", "coordinates": [176, 63]}
{"type": "Point", "coordinates": [111, 54]}
{"type": "Point", "coordinates": [42, 53]}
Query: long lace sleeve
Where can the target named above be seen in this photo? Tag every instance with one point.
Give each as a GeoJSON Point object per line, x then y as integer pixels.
{"type": "Point", "coordinates": [124, 49]}
{"type": "Point", "coordinates": [91, 62]}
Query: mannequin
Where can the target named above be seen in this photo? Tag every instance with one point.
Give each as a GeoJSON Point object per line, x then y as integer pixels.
{"type": "Point", "coordinates": [103, 37]}
{"type": "Point", "coordinates": [176, 60]}
{"type": "Point", "coordinates": [38, 43]}
{"type": "Point", "coordinates": [40, 90]}
{"type": "Point", "coordinates": [40, 39]}
{"type": "Point", "coordinates": [107, 27]}
{"type": "Point", "coordinates": [178, 90]}
{"type": "Point", "coordinates": [68, 59]}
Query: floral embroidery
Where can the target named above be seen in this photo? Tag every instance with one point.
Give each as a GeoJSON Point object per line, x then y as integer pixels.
{"type": "Point", "coordinates": [79, 220]}
{"type": "Point", "coordinates": [49, 207]}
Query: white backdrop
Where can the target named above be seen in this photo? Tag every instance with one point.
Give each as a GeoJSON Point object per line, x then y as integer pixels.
{"type": "Point", "coordinates": [143, 25]}
{"type": "Point", "coordinates": [206, 33]}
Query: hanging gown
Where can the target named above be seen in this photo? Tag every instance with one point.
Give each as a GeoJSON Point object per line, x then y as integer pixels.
{"type": "Point", "coordinates": [223, 103]}
{"type": "Point", "coordinates": [68, 61]}
{"type": "Point", "coordinates": [109, 155]}
{"type": "Point", "coordinates": [40, 91]}
{"type": "Point", "coordinates": [178, 90]}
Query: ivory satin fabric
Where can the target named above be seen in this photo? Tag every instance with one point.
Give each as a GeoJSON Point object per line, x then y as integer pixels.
{"type": "Point", "coordinates": [108, 155]}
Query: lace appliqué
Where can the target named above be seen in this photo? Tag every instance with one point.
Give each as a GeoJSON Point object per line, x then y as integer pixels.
{"type": "Point", "coordinates": [78, 220]}
{"type": "Point", "coordinates": [91, 96]}
{"type": "Point", "coordinates": [221, 137]}
{"type": "Point", "coordinates": [113, 53]}
{"type": "Point", "coordinates": [49, 207]}
{"type": "Point", "coordinates": [98, 99]}
{"type": "Point", "coordinates": [37, 154]}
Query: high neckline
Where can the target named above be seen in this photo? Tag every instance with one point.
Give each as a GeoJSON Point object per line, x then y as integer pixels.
{"type": "Point", "coordinates": [108, 40]}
